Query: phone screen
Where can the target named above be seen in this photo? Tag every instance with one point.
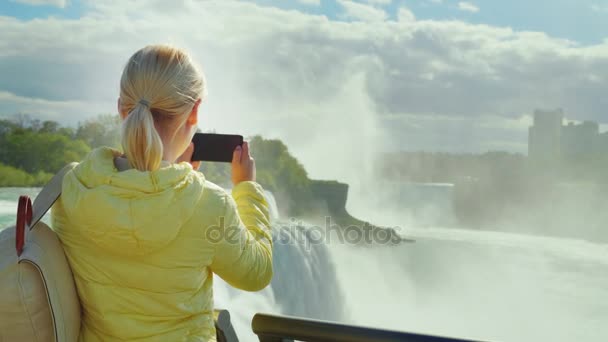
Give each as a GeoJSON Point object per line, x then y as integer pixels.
{"type": "Point", "coordinates": [215, 147]}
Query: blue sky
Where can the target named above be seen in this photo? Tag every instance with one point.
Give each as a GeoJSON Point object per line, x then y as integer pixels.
{"type": "Point", "coordinates": [583, 21]}
{"type": "Point", "coordinates": [25, 11]}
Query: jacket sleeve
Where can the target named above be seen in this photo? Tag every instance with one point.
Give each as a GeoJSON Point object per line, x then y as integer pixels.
{"type": "Point", "coordinates": [243, 245]}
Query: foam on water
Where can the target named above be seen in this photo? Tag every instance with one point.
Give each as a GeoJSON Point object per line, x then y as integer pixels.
{"type": "Point", "coordinates": [8, 203]}
{"type": "Point", "coordinates": [7, 213]}
{"type": "Point", "coordinates": [490, 288]}
{"type": "Point", "coordinates": [8, 207]}
{"type": "Point", "coordinates": [581, 250]}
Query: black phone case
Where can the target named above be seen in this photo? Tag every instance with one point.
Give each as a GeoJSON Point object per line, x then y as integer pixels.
{"type": "Point", "coordinates": [215, 147]}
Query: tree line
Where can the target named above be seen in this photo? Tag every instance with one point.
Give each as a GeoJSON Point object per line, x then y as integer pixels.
{"type": "Point", "coordinates": [32, 151]}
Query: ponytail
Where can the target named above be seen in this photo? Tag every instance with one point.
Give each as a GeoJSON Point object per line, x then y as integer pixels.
{"type": "Point", "coordinates": [140, 140]}
{"type": "Point", "coordinates": [158, 89]}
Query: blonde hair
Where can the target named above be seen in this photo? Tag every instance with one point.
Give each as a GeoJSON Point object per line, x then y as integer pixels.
{"type": "Point", "coordinates": [158, 83]}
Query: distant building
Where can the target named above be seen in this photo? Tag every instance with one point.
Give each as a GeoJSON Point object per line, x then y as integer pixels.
{"type": "Point", "coordinates": [544, 138]}
{"type": "Point", "coordinates": [550, 140]}
{"type": "Point", "coordinates": [580, 140]}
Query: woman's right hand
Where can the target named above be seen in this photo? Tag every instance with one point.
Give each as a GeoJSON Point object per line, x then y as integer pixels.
{"type": "Point", "coordinates": [243, 166]}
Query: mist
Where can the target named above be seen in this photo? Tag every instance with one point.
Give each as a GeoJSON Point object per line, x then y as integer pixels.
{"type": "Point", "coordinates": [576, 211]}
{"type": "Point", "coordinates": [489, 287]}
{"type": "Point", "coordinates": [533, 273]}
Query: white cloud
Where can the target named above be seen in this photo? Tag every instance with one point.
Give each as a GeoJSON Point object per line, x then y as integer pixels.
{"type": "Point", "coordinates": [358, 11]}
{"type": "Point", "coordinates": [599, 8]}
{"type": "Point", "coordinates": [310, 2]}
{"type": "Point", "coordinates": [312, 81]}
{"type": "Point", "coordinates": [468, 7]}
{"type": "Point", "coordinates": [405, 15]}
{"type": "Point", "coordinates": [56, 3]}
{"type": "Point", "coordinates": [57, 110]}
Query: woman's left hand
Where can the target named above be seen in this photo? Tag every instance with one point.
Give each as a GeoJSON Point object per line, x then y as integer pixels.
{"type": "Point", "coordinates": [187, 157]}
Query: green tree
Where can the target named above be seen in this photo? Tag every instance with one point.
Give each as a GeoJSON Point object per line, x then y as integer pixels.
{"type": "Point", "coordinates": [49, 127]}
{"type": "Point", "coordinates": [10, 176]}
{"type": "Point", "coordinates": [33, 152]}
{"type": "Point", "coordinates": [218, 173]}
{"type": "Point", "coordinates": [277, 170]}
{"type": "Point", "coordinates": [282, 173]}
{"type": "Point", "coordinates": [103, 130]}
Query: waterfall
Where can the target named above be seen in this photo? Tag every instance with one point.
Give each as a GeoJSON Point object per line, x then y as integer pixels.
{"type": "Point", "coordinates": [272, 205]}
{"type": "Point", "coordinates": [304, 283]}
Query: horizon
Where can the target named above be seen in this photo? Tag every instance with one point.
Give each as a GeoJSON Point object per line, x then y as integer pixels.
{"type": "Point", "coordinates": [603, 129]}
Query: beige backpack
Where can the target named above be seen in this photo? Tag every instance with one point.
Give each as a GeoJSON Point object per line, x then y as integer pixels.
{"type": "Point", "coordinates": [38, 299]}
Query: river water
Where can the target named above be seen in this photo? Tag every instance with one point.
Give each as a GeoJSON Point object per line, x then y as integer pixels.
{"type": "Point", "coordinates": [463, 283]}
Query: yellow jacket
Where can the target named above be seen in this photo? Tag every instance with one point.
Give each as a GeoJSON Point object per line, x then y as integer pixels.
{"type": "Point", "coordinates": [143, 247]}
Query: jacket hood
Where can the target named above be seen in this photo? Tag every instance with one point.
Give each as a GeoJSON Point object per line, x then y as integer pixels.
{"type": "Point", "coordinates": [129, 212]}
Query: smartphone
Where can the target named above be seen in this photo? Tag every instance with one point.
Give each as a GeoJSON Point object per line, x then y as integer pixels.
{"type": "Point", "coordinates": [215, 147]}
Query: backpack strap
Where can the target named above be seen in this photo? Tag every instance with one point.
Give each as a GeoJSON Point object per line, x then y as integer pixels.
{"type": "Point", "coordinates": [24, 218]}
{"type": "Point", "coordinates": [49, 194]}
{"type": "Point", "coordinates": [28, 215]}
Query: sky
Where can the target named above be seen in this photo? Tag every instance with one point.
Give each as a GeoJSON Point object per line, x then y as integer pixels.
{"type": "Point", "coordinates": [340, 81]}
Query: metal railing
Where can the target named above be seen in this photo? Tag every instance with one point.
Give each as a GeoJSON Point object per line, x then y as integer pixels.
{"type": "Point", "coordinates": [271, 328]}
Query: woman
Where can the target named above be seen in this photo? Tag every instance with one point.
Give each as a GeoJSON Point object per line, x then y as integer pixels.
{"type": "Point", "coordinates": [144, 232]}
